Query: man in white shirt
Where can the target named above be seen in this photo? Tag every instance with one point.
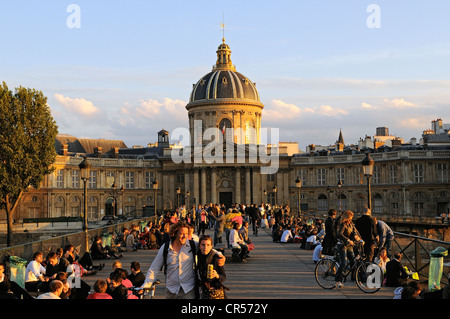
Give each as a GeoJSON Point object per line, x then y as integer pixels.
{"type": "Point", "coordinates": [180, 264]}
{"type": "Point", "coordinates": [56, 288]}
{"type": "Point", "coordinates": [287, 237]}
{"type": "Point", "coordinates": [35, 273]}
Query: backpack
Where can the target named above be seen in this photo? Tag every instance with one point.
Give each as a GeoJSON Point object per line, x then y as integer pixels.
{"type": "Point", "coordinates": [194, 255]}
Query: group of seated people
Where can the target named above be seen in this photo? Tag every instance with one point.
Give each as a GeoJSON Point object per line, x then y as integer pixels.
{"type": "Point", "coordinates": [58, 274]}
{"type": "Point", "coordinates": [120, 282]}
{"type": "Point", "coordinates": [307, 233]}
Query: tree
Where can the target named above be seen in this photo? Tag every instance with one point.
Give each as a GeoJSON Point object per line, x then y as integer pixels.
{"type": "Point", "coordinates": [27, 151]}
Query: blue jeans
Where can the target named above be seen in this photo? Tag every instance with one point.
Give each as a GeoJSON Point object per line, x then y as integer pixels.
{"type": "Point", "coordinates": [346, 254]}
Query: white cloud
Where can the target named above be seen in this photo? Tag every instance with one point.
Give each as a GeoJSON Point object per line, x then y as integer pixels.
{"type": "Point", "coordinates": [78, 106]}
{"type": "Point", "coordinates": [280, 110]}
{"type": "Point", "coordinates": [399, 103]}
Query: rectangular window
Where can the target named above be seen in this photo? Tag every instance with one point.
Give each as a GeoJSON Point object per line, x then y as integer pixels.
{"type": "Point", "coordinates": [393, 174]}
{"type": "Point", "coordinates": [321, 176]}
{"type": "Point", "coordinates": [33, 212]}
{"type": "Point", "coordinates": [419, 208]}
{"type": "Point", "coordinates": [92, 213]}
{"type": "Point", "coordinates": [442, 173]}
{"type": "Point", "coordinates": [149, 180]}
{"type": "Point", "coordinates": [75, 178]}
{"type": "Point", "coordinates": [301, 173]}
{"type": "Point", "coordinates": [340, 174]}
{"type": "Point", "coordinates": [359, 176]}
{"type": "Point", "coordinates": [60, 178]}
{"type": "Point", "coordinates": [93, 179]}
{"type": "Point", "coordinates": [418, 173]}
{"type": "Point", "coordinates": [129, 180]}
{"type": "Point", "coordinates": [180, 177]}
{"type": "Point", "coordinates": [110, 178]}
{"type": "Point", "coordinates": [376, 175]}
{"type": "Point", "coordinates": [271, 177]}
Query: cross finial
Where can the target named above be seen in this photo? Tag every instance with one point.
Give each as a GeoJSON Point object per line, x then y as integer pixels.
{"type": "Point", "coordinates": [222, 26]}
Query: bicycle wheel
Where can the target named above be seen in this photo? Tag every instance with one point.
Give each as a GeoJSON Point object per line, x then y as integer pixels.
{"type": "Point", "coordinates": [325, 273]}
{"type": "Point", "coordinates": [369, 277]}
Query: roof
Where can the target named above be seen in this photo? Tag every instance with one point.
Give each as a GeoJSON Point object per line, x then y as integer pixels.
{"type": "Point", "coordinates": [86, 145]}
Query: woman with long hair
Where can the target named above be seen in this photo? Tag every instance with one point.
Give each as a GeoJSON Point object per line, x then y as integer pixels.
{"type": "Point", "coordinates": [347, 235]}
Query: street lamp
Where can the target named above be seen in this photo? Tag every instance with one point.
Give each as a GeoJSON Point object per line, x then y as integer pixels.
{"type": "Point", "coordinates": [298, 185]}
{"type": "Point", "coordinates": [367, 164]}
{"type": "Point", "coordinates": [85, 168]}
{"type": "Point", "coordinates": [265, 196]}
{"type": "Point", "coordinates": [155, 185]}
{"type": "Point", "coordinates": [178, 196]}
{"type": "Point", "coordinates": [274, 189]}
{"type": "Point", "coordinates": [114, 192]}
{"type": "Point", "coordinates": [339, 184]}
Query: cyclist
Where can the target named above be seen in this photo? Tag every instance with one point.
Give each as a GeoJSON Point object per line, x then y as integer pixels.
{"type": "Point", "coordinates": [347, 236]}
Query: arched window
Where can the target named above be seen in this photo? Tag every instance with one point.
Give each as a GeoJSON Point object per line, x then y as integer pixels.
{"type": "Point", "coordinates": [250, 133]}
{"type": "Point", "coordinates": [225, 127]}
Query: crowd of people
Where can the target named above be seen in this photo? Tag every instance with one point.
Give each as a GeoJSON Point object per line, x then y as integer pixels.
{"type": "Point", "coordinates": [180, 235]}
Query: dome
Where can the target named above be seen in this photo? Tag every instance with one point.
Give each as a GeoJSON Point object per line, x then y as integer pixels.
{"type": "Point", "coordinates": [224, 82]}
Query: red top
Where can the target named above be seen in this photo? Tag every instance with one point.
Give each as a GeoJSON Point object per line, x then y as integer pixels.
{"type": "Point", "coordinates": [99, 295]}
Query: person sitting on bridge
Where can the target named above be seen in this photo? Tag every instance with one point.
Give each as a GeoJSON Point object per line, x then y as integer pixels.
{"type": "Point", "coordinates": [287, 237]}
{"type": "Point", "coordinates": [396, 274]}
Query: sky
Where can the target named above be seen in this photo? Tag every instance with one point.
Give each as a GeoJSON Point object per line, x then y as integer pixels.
{"type": "Point", "coordinates": [125, 69]}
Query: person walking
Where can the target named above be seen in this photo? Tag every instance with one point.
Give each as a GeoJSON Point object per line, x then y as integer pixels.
{"type": "Point", "coordinates": [367, 227]}
{"type": "Point", "coordinates": [218, 226]}
{"type": "Point", "coordinates": [211, 275]}
{"type": "Point", "coordinates": [178, 259]}
{"type": "Point", "coordinates": [330, 239]}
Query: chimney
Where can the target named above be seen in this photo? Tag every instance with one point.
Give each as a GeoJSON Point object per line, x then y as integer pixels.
{"type": "Point", "coordinates": [64, 149]}
{"type": "Point", "coordinates": [98, 151]}
{"type": "Point", "coordinates": [116, 152]}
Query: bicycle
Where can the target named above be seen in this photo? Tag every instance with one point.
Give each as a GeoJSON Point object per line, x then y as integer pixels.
{"type": "Point", "coordinates": [146, 293]}
{"type": "Point", "coordinates": [367, 274]}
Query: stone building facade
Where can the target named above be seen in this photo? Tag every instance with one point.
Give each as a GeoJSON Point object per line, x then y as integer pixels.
{"type": "Point", "coordinates": [233, 166]}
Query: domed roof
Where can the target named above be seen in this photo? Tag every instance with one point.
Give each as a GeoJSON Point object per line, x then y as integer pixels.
{"type": "Point", "coordinates": [224, 82]}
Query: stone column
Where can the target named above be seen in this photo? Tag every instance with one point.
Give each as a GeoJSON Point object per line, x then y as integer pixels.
{"type": "Point", "coordinates": [203, 186]}
{"type": "Point", "coordinates": [237, 196]}
{"type": "Point", "coordinates": [247, 187]}
{"type": "Point", "coordinates": [195, 192]}
{"type": "Point", "coordinates": [213, 186]}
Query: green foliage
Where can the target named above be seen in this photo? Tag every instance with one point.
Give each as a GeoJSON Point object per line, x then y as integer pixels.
{"type": "Point", "coordinates": [27, 137]}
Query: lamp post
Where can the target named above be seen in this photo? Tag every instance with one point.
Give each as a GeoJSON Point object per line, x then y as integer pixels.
{"type": "Point", "coordinates": [367, 164]}
{"type": "Point", "coordinates": [274, 189]}
{"type": "Point", "coordinates": [265, 196]}
{"type": "Point", "coordinates": [155, 185]}
{"type": "Point", "coordinates": [178, 196]}
{"type": "Point", "coordinates": [114, 192]}
{"type": "Point", "coordinates": [339, 184]}
{"type": "Point", "coordinates": [85, 168]}
{"type": "Point", "coordinates": [298, 185]}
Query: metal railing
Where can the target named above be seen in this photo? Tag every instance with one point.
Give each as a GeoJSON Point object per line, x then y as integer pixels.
{"type": "Point", "coordinates": [416, 253]}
